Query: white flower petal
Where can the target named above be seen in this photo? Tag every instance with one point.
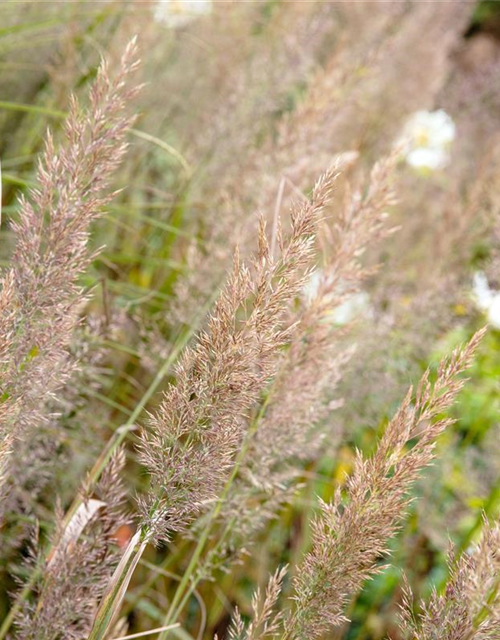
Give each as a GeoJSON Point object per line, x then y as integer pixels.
{"type": "Point", "coordinates": [311, 287]}
{"type": "Point", "coordinates": [494, 312]}
{"type": "Point", "coordinates": [177, 13]}
{"type": "Point", "coordinates": [427, 158]}
{"type": "Point", "coordinates": [426, 138]}
{"type": "Point", "coordinates": [357, 305]}
{"type": "Point", "coordinates": [483, 295]}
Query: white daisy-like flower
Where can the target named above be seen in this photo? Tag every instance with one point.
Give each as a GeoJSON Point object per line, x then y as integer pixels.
{"type": "Point", "coordinates": [178, 13]}
{"type": "Point", "coordinates": [426, 139]}
{"type": "Point", "coordinates": [356, 305]}
{"type": "Point", "coordinates": [311, 287]}
{"type": "Point", "coordinates": [487, 300]}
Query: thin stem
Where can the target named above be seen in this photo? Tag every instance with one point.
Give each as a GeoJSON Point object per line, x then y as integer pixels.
{"type": "Point", "coordinates": [111, 601]}
{"type": "Point", "coordinates": [9, 619]}
{"type": "Point", "coordinates": [121, 433]}
{"type": "Point", "coordinates": [142, 634]}
{"type": "Point", "coordinates": [180, 598]}
{"type": "Point", "coordinates": [106, 455]}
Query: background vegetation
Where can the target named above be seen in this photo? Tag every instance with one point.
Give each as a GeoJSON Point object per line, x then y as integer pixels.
{"type": "Point", "coordinates": [243, 105]}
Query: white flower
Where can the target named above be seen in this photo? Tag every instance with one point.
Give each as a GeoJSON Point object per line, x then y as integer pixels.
{"type": "Point", "coordinates": [426, 139]}
{"type": "Point", "coordinates": [487, 300]}
{"type": "Point", "coordinates": [483, 295]}
{"type": "Point", "coordinates": [178, 13]}
{"type": "Point", "coordinates": [356, 305]}
{"type": "Point", "coordinates": [311, 287]}
{"type": "Point", "coordinates": [427, 158]}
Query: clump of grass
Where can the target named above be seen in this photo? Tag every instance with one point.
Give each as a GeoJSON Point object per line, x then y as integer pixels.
{"type": "Point", "coordinates": [251, 343]}
{"type": "Point", "coordinates": [41, 296]}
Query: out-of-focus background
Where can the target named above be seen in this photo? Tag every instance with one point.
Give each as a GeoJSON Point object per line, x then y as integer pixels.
{"type": "Point", "coordinates": [244, 104]}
